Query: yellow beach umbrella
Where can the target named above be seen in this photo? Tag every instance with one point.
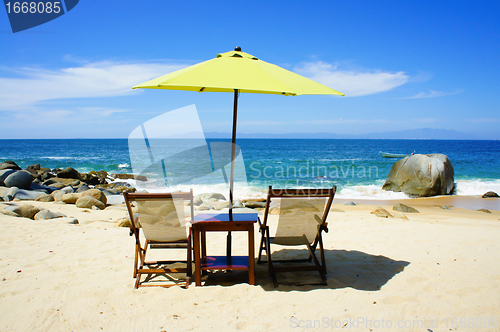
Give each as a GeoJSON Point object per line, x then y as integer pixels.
{"type": "Point", "coordinates": [237, 72]}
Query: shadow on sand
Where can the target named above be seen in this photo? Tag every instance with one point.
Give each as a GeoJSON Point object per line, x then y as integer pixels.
{"type": "Point", "coordinates": [354, 269]}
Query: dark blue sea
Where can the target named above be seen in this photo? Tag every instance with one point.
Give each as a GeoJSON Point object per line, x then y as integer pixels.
{"type": "Point", "coordinates": [355, 166]}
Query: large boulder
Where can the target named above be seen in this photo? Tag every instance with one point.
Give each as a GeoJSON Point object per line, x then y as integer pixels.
{"type": "Point", "coordinates": [19, 179]}
{"type": "Point", "coordinates": [422, 175]}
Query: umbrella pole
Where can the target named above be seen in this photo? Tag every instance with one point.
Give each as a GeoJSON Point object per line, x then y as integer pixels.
{"type": "Point", "coordinates": [233, 152]}
{"type": "Point", "coordinates": [231, 183]}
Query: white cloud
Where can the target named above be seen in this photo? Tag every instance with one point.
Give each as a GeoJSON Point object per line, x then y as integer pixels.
{"type": "Point", "coordinates": [352, 83]}
{"type": "Point", "coordinates": [432, 94]}
{"type": "Point", "coordinates": [98, 79]}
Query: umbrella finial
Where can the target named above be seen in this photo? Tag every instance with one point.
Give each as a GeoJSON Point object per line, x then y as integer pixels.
{"type": "Point", "coordinates": [237, 49]}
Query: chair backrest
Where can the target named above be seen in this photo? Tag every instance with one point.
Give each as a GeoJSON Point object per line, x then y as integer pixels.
{"type": "Point", "coordinates": [301, 213]}
{"type": "Point", "coordinates": [162, 216]}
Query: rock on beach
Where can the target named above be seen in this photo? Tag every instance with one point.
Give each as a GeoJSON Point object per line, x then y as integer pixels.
{"type": "Point", "coordinates": [422, 175]}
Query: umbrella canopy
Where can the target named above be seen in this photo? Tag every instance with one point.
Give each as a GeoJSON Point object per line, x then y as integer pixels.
{"type": "Point", "coordinates": [237, 72]}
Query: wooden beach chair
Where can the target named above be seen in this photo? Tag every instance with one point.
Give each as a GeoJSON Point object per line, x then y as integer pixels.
{"type": "Point", "coordinates": [164, 225]}
{"type": "Point", "coordinates": [302, 219]}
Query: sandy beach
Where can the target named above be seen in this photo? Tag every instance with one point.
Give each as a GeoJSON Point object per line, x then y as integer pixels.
{"type": "Point", "coordinates": [436, 270]}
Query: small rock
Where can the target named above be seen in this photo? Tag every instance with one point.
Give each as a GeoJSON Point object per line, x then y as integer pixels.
{"type": "Point", "coordinates": [404, 208]}
{"type": "Point", "coordinates": [221, 205]}
{"type": "Point", "coordinates": [111, 192]}
{"type": "Point", "coordinates": [350, 203]}
{"type": "Point", "coordinates": [255, 200]}
{"type": "Point", "coordinates": [97, 194]}
{"type": "Point", "coordinates": [122, 188]}
{"type": "Point", "coordinates": [197, 201]}
{"type": "Point", "coordinates": [46, 215]}
{"type": "Point", "coordinates": [444, 207]}
{"type": "Point", "coordinates": [66, 182]}
{"type": "Point", "coordinates": [39, 187]}
{"type": "Point", "coordinates": [57, 185]}
{"type": "Point", "coordinates": [485, 210]}
{"type": "Point", "coordinates": [70, 198]}
{"type": "Point", "coordinates": [254, 204]}
{"type": "Point", "coordinates": [203, 207]}
{"type": "Point", "coordinates": [383, 213]}
{"type": "Point", "coordinates": [490, 194]}
{"type": "Point", "coordinates": [9, 164]}
{"type": "Point", "coordinates": [238, 204]}
{"type": "Point", "coordinates": [33, 169]}
{"type": "Point", "coordinates": [207, 196]}
{"type": "Point", "coordinates": [69, 173]}
{"type": "Point", "coordinates": [43, 197]}
{"type": "Point", "coordinates": [67, 190]}
{"type": "Point", "coordinates": [87, 202]}
{"type": "Point", "coordinates": [82, 188]}
{"type": "Point", "coordinates": [26, 195]}
{"type": "Point", "coordinates": [130, 176]}
{"type": "Point", "coordinates": [28, 211]}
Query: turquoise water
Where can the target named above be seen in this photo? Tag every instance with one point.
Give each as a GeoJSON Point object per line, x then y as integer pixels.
{"type": "Point", "coordinates": [355, 166]}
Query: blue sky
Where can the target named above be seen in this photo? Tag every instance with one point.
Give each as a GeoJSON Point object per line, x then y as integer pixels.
{"type": "Point", "coordinates": [402, 65]}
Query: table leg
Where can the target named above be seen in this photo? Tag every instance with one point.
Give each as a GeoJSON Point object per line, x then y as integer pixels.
{"type": "Point", "coordinates": [251, 255]}
{"type": "Point", "coordinates": [203, 244]}
{"type": "Point", "coordinates": [197, 261]}
{"type": "Point", "coordinates": [228, 245]}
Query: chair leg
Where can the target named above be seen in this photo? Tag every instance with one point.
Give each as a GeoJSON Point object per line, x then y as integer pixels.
{"type": "Point", "coordinates": [189, 262]}
{"type": "Point", "coordinates": [316, 262]}
{"type": "Point", "coordinates": [314, 245]}
{"type": "Point", "coordinates": [270, 266]}
{"type": "Point", "coordinates": [322, 251]}
{"type": "Point", "coordinates": [262, 246]}
{"type": "Point", "coordinates": [136, 260]}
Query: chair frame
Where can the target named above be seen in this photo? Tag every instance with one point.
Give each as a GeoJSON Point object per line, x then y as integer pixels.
{"type": "Point", "coordinates": [266, 239]}
{"type": "Point", "coordinates": [141, 266]}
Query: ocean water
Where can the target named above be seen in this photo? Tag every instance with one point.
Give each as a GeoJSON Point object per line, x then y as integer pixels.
{"type": "Point", "coordinates": [355, 166]}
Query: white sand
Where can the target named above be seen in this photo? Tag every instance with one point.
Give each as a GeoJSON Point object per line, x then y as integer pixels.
{"type": "Point", "coordinates": [441, 265]}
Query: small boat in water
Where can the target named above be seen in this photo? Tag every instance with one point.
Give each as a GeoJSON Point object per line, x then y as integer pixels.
{"type": "Point", "coordinates": [393, 155]}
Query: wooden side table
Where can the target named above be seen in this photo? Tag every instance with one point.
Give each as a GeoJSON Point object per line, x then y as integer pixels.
{"type": "Point", "coordinates": [219, 222]}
